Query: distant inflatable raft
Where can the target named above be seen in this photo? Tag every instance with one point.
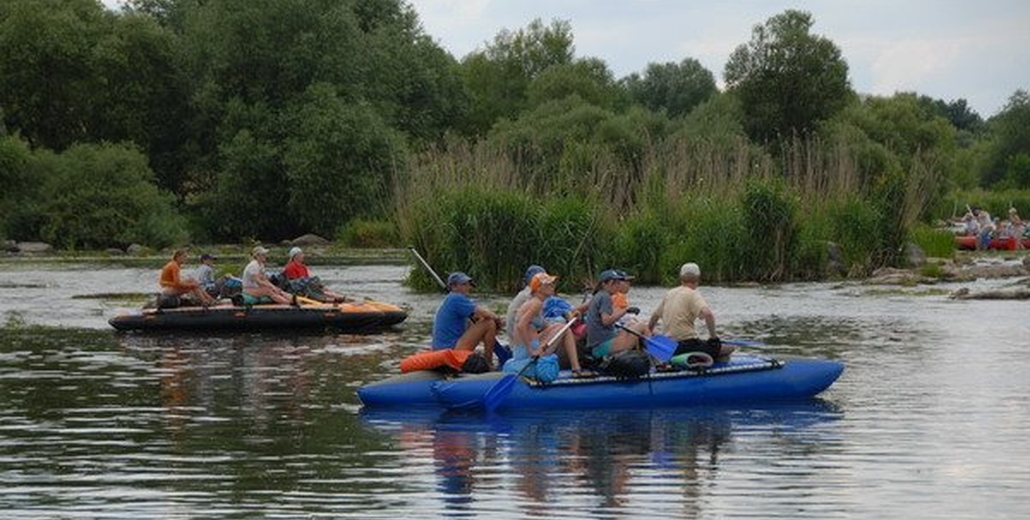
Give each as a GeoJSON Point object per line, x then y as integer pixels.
{"type": "Point", "coordinates": [356, 317]}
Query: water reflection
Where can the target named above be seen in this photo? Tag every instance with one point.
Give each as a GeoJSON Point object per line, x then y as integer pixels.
{"type": "Point", "coordinates": [603, 459]}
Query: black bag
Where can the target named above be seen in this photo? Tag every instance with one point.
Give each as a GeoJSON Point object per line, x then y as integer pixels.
{"type": "Point", "coordinates": [628, 364]}
{"type": "Point", "coordinates": [475, 364]}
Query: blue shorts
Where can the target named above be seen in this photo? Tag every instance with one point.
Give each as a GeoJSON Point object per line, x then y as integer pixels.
{"type": "Point", "coordinates": [603, 348]}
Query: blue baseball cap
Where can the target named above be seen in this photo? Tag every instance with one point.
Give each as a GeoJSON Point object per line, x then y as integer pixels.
{"type": "Point", "coordinates": [610, 274]}
{"type": "Point", "coordinates": [459, 278]}
{"type": "Point", "coordinates": [532, 271]}
{"type": "Point", "coordinates": [623, 275]}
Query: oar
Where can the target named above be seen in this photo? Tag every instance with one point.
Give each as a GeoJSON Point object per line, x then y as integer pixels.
{"type": "Point", "coordinates": [500, 390]}
{"type": "Point", "coordinates": [428, 268]}
{"type": "Point", "coordinates": [661, 347]}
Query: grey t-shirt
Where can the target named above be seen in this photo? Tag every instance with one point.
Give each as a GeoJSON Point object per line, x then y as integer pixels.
{"type": "Point", "coordinates": [513, 308]}
{"type": "Point", "coordinates": [597, 332]}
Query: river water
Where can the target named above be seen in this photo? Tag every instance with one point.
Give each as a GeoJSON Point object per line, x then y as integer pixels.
{"type": "Point", "coordinates": [931, 418]}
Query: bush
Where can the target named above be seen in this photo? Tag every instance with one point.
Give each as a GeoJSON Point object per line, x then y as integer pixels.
{"type": "Point", "coordinates": [97, 196]}
{"type": "Point", "coordinates": [368, 233]}
{"type": "Point", "coordinates": [935, 242]}
{"type": "Point", "coordinates": [772, 230]}
{"type": "Point", "coordinates": [855, 227]}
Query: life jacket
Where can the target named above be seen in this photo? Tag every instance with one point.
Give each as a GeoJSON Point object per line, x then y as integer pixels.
{"type": "Point", "coordinates": [435, 359]}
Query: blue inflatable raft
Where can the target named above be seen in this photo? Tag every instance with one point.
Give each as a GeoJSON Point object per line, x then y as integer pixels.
{"type": "Point", "coordinates": [743, 379]}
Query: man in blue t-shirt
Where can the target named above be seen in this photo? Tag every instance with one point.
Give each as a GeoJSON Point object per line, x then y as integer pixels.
{"type": "Point", "coordinates": [460, 324]}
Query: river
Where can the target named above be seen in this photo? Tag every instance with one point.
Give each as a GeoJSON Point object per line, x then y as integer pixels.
{"type": "Point", "coordinates": [931, 418]}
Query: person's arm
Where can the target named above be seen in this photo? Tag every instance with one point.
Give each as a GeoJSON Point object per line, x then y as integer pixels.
{"type": "Point", "coordinates": [709, 317]}
{"type": "Point", "coordinates": [528, 334]}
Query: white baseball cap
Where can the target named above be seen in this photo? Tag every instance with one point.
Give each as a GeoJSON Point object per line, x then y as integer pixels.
{"type": "Point", "coordinates": [690, 269]}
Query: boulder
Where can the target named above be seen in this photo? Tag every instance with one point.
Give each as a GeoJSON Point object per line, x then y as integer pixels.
{"type": "Point", "coordinates": [10, 246]}
{"type": "Point", "coordinates": [114, 251]}
{"type": "Point", "coordinates": [834, 260]}
{"type": "Point", "coordinates": [35, 248]}
{"type": "Point", "coordinates": [135, 249]}
{"type": "Point", "coordinates": [309, 240]}
{"type": "Point", "coordinates": [914, 255]}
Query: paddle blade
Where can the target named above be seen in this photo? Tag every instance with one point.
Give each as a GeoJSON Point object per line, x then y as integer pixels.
{"type": "Point", "coordinates": [498, 392]}
{"type": "Point", "coordinates": [661, 347]}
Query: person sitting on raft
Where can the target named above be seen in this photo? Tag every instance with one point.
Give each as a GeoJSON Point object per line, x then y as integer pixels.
{"type": "Point", "coordinates": [521, 297]}
{"type": "Point", "coordinates": [679, 310]}
{"type": "Point", "coordinates": [173, 287]}
{"type": "Point", "coordinates": [257, 288]}
{"type": "Point", "coordinates": [300, 281]}
{"type": "Point", "coordinates": [603, 338]}
{"type": "Point", "coordinates": [460, 324]}
{"type": "Point", "coordinates": [532, 329]}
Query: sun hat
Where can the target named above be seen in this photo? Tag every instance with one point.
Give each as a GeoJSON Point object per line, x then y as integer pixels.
{"type": "Point", "coordinates": [459, 277]}
{"type": "Point", "coordinates": [294, 252]}
{"type": "Point", "coordinates": [541, 279]}
{"type": "Point", "coordinates": [690, 269]}
{"type": "Point", "coordinates": [259, 250]}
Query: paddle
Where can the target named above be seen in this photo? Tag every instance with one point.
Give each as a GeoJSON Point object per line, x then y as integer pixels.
{"type": "Point", "coordinates": [661, 347]}
{"type": "Point", "coordinates": [429, 269]}
{"type": "Point", "coordinates": [496, 393]}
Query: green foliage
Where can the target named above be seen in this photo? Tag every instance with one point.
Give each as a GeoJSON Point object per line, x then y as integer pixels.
{"type": "Point", "coordinates": [339, 161]}
{"type": "Point", "coordinates": [709, 232]}
{"type": "Point", "coordinates": [368, 234]}
{"type": "Point", "coordinates": [997, 203]}
{"type": "Point", "coordinates": [497, 78]}
{"type": "Point", "coordinates": [772, 230]}
{"type": "Point", "coordinates": [935, 242]}
{"type": "Point", "coordinates": [855, 226]}
{"type": "Point", "coordinates": [787, 78]}
{"type": "Point", "coordinates": [1017, 175]}
{"type": "Point", "coordinates": [590, 80]}
{"type": "Point", "coordinates": [675, 88]}
{"type": "Point", "coordinates": [96, 196]}
{"type": "Point", "coordinates": [1011, 131]}
{"type": "Point", "coordinates": [639, 244]}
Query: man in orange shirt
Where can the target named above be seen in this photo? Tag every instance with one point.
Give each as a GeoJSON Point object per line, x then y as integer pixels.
{"type": "Point", "coordinates": [173, 286]}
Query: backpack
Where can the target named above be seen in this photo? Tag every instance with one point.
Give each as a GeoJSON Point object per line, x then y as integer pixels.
{"type": "Point", "coordinates": [628, 364]}
{"type": "Point", "coordinates": [475, 364]}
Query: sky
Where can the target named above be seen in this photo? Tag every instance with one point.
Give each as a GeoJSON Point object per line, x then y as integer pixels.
{"type": "Point", "coordinates": [947, 49]}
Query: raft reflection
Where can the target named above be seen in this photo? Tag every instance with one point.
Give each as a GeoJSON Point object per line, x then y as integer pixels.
{"type": "Point", "coordinates": [598, 457]}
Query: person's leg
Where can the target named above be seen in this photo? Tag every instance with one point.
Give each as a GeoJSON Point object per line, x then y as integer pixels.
{"type": "Point", "coordinates": [483, 331]}
{"type": "Point", "coordinates": [625, 340]}
{"type": "Point", "coordinates": [568, 344]}
{"type": "Point", "coordinates": [724, 352]}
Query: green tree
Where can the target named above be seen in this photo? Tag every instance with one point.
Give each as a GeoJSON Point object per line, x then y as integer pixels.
{"type": "Point", "coordinates": [497, 78]}
{"type": "Point", "coordinates": [1009, 137]}
{"type": "Point", "coordinates": [786, 78]}
{"type": "Point", "coordinates": [95, 196]}
{"type": "Point", "coordinates": [47, 83]}
{"type": "Point", "coordinates": [589, 79]}
{"type": "Point", "coordinates": [675, 87]}
{"type": "Point", "coordinates": [340, 160]}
